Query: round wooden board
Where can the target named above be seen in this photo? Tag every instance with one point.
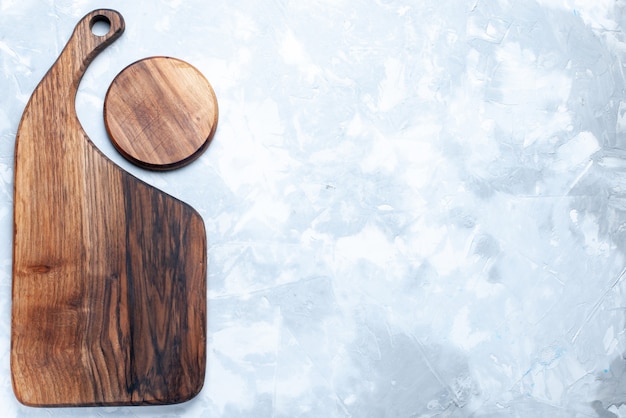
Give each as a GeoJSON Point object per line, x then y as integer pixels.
{"type": "Point", "coordinates": [160, 113]}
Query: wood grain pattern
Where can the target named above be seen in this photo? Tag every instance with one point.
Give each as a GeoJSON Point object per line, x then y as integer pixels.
{"type": "Point", "coordinates": [109, 273]}
{"type": "Point", "coordinates": [160, 113]}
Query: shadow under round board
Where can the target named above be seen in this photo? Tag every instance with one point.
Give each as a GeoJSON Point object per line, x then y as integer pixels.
{"type": "Point", "coordinates": [160, 113]}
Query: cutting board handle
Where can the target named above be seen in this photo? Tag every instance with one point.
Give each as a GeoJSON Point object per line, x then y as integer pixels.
{"type": "Point", "coordinates": [84, 45]}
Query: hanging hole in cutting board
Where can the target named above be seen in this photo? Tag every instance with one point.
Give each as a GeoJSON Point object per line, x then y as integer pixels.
{"type": "Point", "coordinates": [100, 25]}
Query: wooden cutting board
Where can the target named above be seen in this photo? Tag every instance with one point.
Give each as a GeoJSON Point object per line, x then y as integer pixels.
{"type": "Point", "coordinates": [138, 99]}
{"type": "Point", "coordinates": [109, 273]}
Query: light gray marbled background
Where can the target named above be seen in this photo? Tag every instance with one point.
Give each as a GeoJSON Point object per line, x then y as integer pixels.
{"type": "Point", "coordinates": [414, 208]}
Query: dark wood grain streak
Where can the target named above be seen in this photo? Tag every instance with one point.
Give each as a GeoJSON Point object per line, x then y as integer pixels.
{"type": "Point", "coordinates": [109, 273]}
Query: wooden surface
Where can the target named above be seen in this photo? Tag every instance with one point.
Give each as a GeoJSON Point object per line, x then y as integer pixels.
{"type": "Point", "coordinates": [160, 113]}
{"type": "Point", "coordinates": [109, 273]}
